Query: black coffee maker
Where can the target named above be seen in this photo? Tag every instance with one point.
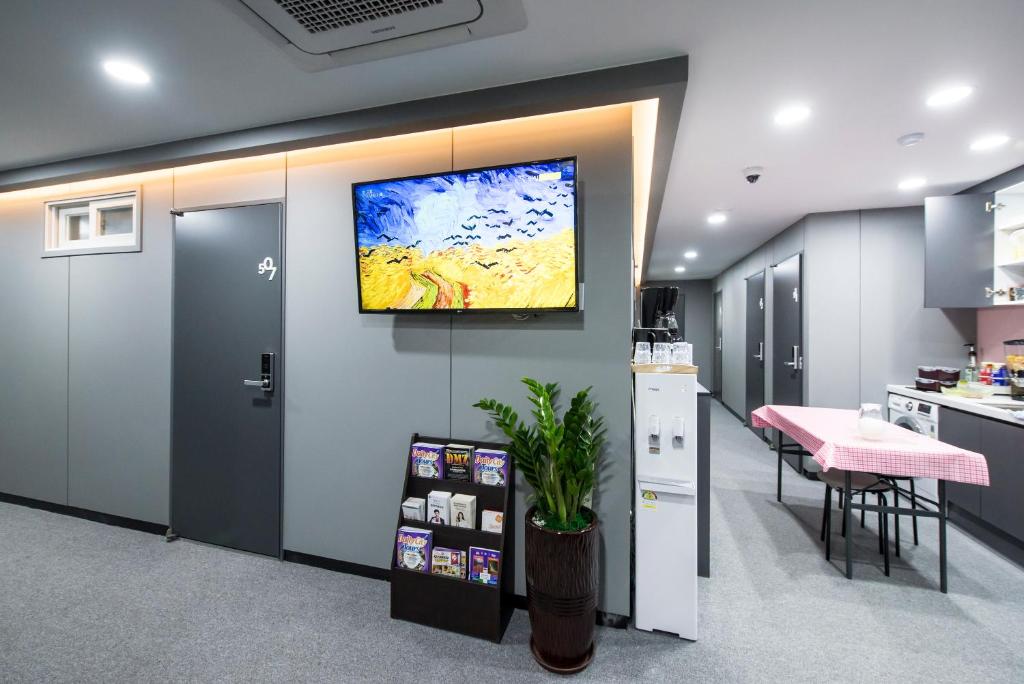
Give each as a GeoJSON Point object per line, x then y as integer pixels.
{"type": "Point", "coordinates": [657, 315]}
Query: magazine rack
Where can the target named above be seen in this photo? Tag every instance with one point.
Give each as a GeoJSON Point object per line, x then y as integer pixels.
{"type": "Point", "coordinates": [450, 603]}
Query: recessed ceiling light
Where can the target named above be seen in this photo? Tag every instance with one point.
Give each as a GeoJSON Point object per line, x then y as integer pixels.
{"type": "Point", "coordinates": [792, 115]}
{"type": "Point", "coordinates": [910, 139]}
{"type": "Point", "coordinates": [716, 218]}
{"type": "Point", "coordinates": [690, 254]}
{"type": "Point", "coordinates": [912, 183]}
{"type": "Point", "coordinates": [127, 72]}
{"type": "Point", "coordinates": [680, 269]}
{"type": "Point", "coordinates": [949, 96]}
{"type": "Point", "coordinates": [989, 142]}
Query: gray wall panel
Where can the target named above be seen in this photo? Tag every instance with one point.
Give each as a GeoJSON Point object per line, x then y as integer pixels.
{"type": "Point", "coordinates": [734, 341]}
{"type": "Point", "coordinates": [33, 347]}
{"type": "Point", "coordinates": [897, 332]}
{"type": "Point", "coordinates": [788, 242]}
{"type": "Point", "coordinates": [831, 299]}
{"type": "Point", "coordinates": [358, 385]}
{"type": "Point", "coordinates": [119, 372]}
{"type": "Point", "coordinates": [491, 354]}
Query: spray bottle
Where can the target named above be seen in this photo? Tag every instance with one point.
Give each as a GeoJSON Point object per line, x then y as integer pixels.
{"type": "Point", "coordinates": [970, 373]}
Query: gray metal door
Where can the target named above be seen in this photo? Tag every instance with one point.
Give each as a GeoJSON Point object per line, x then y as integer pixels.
{"type": "Point", "coordinates": [755, 347]}
{"type": "Point", "coordinates": [716, 381]}
{"type": "Point", "coordinates": [787, 338]}
{"type": "Point", "coordinates": [228, 379]}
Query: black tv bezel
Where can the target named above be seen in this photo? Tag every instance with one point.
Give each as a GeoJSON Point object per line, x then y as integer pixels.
{"type": "Point", "coordinates": [575, 241]}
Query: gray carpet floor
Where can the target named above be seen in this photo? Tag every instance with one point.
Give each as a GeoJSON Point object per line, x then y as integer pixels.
{"type": "Point", "coordinates": [85, 602]}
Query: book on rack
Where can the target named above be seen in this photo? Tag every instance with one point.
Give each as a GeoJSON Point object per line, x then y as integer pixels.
{"type": "Point", "coordinates": [490, 467]}
{"type": "Point", "coordinates": [439, 508]}
{"type": "Point", "coordinates": [412, 548]}
{"type": "Point", "coordinates": [484, 565]}
{"type": "Point", "coordinates": [458, 462]}
{"type": "Point", "coordinates": [426, 460]}
{"type": "Point", "coordinates": [464, 510]}
{"type": "Point", "coordinates": [491, 521]}
{"type": "Point", "coordinates": [448, 562]}
{"type": "Point", "coordinates": [414, 508]}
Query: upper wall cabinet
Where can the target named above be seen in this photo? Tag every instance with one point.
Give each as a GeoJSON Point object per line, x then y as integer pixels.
{"type": "Point", "coordinates": [974, 249]}
{"type": "Point", "coordinates": [958, 250]}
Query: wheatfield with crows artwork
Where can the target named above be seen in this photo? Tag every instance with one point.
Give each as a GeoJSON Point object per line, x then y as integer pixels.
{"type": "Point", "coordinates": [500, 238]}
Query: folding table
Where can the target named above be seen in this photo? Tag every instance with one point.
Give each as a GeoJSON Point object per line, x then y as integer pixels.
{"type": "Point", "coordinates": [831, 438]}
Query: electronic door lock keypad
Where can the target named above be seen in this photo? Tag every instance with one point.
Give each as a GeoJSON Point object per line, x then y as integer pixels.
{"type": "Point", "coordinates": [266, 381]}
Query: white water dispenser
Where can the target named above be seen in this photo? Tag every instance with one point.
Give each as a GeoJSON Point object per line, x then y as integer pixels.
{"type": "Point", "coordinates": [665, 448]}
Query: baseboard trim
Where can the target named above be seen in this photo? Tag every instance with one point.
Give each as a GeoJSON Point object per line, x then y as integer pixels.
{"type": "Point", "coordinates": [612, 620]}
{"type": "Point", "coordinates": [994, 538]}
{"type": "Point", "coordinates": [335, 565]}
{"type": "Point", "coordinates": [84, 514]}
{"type": "Point", "coordinates": [604, 619]}
{"type": "Point", "coordinates": [729, 409]}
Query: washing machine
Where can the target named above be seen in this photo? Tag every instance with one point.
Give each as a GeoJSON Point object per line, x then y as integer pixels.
{"type": "Point", "coordinates": [921, 417]}
{"type": "Point", "coordinates": [915, 415]}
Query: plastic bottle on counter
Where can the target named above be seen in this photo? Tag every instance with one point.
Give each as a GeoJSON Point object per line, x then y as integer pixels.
{"type": "Point", "coordinates": [985, 376]}
{"type": "Point", "coordinates": [999, 376]}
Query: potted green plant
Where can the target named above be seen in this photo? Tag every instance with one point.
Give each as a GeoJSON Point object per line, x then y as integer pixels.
{"type": "Point", "coordinates": [559, 459]}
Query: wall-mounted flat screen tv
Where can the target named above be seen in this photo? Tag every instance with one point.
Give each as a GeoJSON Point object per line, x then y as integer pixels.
{"type": "Point", "coordinates": [501, 238]}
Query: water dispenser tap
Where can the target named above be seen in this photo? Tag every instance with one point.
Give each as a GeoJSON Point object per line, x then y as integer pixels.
{"type": "Point", "coordinates": [678, 431]}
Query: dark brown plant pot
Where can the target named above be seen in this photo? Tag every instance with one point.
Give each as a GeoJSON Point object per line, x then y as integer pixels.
{"type": "Point", "coordinates": [561, 591]}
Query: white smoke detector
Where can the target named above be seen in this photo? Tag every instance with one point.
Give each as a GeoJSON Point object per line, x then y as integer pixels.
{"type": "Point", "coordinates": [321, 34]}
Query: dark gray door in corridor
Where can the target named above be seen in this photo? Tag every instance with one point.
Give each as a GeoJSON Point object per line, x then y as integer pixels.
{"type": "Point", "coordinates": [228, 379]}
{"type": "Point", "coordinates": [787, 338]}
{"type": "Point", "coordinates": [755, 347]}
{"type": "Point", "coordinates": [716, 381]}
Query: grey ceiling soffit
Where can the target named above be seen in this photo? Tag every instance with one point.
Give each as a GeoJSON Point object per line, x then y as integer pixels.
{"type": "Point", "coordinates": [326, 34]}
{"type": "Point", "coordinates": [664, 79]}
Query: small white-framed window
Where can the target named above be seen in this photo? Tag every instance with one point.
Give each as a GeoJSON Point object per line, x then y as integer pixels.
{"type": "Point", "coordinates": [93, 225]}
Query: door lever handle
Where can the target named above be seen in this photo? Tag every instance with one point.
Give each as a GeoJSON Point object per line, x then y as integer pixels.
{"type": "Point", "coordinates": [760, 351]}
{"type": "Point", "coordinates": [266, 380]}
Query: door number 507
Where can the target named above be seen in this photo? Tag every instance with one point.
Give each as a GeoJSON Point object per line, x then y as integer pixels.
{"type": "Point", "coordinates": [267, 266]}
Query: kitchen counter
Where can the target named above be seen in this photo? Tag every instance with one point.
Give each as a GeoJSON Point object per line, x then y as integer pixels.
{"type": "Point", "coordinates": [989, 408]}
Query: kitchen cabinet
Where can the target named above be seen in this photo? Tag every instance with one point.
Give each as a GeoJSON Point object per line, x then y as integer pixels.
{"type": "Point", "coordinates": [959, 246]}
{"type": "Point", "coordinates": [1002, 503]}
{"type": "Point", "coordinates": [962, 430]}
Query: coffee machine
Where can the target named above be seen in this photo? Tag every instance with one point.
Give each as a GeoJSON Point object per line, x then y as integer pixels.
{"type": "Point", "coordinates": [1014, 350]}
{"type": "Point", "coordinates": [658, 321]}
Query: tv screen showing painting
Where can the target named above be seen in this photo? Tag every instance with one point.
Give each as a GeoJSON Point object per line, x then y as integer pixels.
{"type": "Point", "coordinates": [500, 238]}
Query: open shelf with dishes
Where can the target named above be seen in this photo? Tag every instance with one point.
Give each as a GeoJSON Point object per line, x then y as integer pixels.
{"type": "Point", "coordinates": [1008, 253]}
{"type": "Point", "coordinates": [473, 601]}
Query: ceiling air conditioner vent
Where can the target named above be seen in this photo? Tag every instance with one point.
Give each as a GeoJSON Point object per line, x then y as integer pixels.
{"type": "Point", "coordinates": [326, 15]}
{"type": "Point", "coordinates": [321, 34]}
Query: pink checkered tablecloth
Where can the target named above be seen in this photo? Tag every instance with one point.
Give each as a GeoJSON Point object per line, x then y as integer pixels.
{"type": "Point", "coordinates": [831, 437]}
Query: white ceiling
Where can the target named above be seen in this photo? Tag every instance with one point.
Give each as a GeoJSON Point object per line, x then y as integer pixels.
{"type": "Point", "coordinates": [864, 67]}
